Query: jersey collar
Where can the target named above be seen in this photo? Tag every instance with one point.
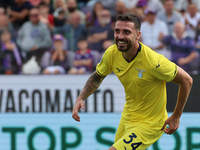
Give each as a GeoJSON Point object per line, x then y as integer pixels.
{"type": "Point", "coordinates": [138, 50]}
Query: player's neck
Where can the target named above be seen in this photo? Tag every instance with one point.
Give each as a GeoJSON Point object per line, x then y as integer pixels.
{"type": "Point", "coordinates": [130, 54]}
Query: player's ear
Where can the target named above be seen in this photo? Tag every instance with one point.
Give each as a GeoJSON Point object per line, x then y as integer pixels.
{"type": "Point", "coordinates": [138, 35]}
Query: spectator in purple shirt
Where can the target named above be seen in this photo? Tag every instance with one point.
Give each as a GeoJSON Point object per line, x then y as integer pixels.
{"type": "Point", "coordinates": [182, 47]}
{"type": "Point", "coordinates": [83, 58]}
{"type": "Point", "coordinates": [58, 61]}
{"type": "Point", "coordinates": [10, 59]}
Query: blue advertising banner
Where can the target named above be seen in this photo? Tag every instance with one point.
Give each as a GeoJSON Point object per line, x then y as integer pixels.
{"type": "Point", "coordinates": [96, 131]}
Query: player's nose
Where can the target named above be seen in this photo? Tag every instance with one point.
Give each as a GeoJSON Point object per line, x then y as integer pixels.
{"type": "Point", "coordinates": [120, 36]}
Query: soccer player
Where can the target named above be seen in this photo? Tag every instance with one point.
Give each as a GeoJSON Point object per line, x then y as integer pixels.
{"type": "Point", "coordinates": [144, 74]}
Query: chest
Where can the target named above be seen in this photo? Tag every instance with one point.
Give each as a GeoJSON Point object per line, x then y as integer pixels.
{"type": "Point", "coordinates": [100, 29]}
{"type": "Point", "coordinates": [133, 74]}
{"type": "Point", "coordinates": [182, 45]}
{"type": "Point", "coordinates": [34, 32]}
{"type": "Point", "coordinates": [73, 32]}
{"type": "Point", "coordinates": [82, 56]}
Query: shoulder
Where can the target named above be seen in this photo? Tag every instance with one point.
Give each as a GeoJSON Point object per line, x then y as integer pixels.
{"type": "Point", "coordinates": [77, 52]}
{"type": "Point", "coordinates": [42, 25]}
{"type": "Point", "coordinates": [160, 22]}
{"type": "Point", "coordinates": [148, 54]}
{"type": "Point", "coordinates": [144, 25]}
{"type": "Point", "coordinates": [198, 14]}
{"type": "Point", "coordinates": [189, 40]}
{"type": "Point", "coordinates": [26, 24]}
{"type": "Point", "coordinates": [177, 14]}
{"type": "Point", "coordinates": [151, 59]}
{"type": "Point", "coordinates": [88, 51]}
{"type": "Point", "coordinates": [108, 26]}
{"type": "Point", "coordinates": [112, 50]}
{"type": "Point", "coordinates": [168, 37]}
{"type": "Point", "coordinates": [145, 49]}
{"type": "Point", "coordinates": [95, 29]}
{"type": "Point", "coordinates": [65, 27]}
{"type": "Point", "coordinates": [156, 3]}
{"type": "Point", "coordinates": [161, 25]}
{"type": "Point", "coordinates": [98, 27]}
{"type": "Point", "coordinates": [81, 26]}
{"type": "Point", "coordinates": [161, 14]}
{"type": "Point", "coordinates": [81, 13]}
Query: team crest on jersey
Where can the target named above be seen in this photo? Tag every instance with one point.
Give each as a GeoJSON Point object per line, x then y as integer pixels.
{"type": "Point", "coordinates": [140, 73]}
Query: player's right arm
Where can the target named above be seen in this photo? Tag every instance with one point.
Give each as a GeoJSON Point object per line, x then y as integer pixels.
{"type": "Point", "coordinates": [103, 68]}
{"type": "Point", "coordinates": [91, 85]}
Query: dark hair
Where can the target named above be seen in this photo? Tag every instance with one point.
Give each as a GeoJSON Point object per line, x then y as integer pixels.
{"type": "Point", "coordinates": [82, 38]}
{"type": "Point", "coordinates": [130, 17]}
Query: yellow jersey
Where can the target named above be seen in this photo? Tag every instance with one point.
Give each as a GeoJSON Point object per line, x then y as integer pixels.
{"type": "Point", "coordinates": [144, 79]}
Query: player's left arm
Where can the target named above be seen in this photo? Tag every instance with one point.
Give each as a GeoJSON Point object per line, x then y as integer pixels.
{"type": "Point", "coordinates": [185, 82]}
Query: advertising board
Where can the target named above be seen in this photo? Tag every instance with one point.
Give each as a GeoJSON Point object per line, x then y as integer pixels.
{"type": "Point", "coordinates": [95, 131]}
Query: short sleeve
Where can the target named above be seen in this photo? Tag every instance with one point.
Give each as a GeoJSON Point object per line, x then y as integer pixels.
{"type": "Point", "coordinates": [163, 69]}
{"type": "Point", "coordinates": [104, 68]}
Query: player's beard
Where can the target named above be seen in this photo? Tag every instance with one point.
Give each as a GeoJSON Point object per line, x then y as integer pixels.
{"type": "Point", "coordinates": [126, 47]}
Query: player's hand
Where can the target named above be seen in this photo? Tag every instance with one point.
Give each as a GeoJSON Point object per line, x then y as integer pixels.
{"type": "Point", "coordinates": [79, 104]}
{"type": "Point", "coordinates": [173, 123]}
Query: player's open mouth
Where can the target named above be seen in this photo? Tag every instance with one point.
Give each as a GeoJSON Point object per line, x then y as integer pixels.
{"type": "Point", "coordinates": [121, 43]}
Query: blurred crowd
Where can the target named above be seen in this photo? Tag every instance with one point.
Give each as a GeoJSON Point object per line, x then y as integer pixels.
{"type": "Point", "coordinates": [70, 36]}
